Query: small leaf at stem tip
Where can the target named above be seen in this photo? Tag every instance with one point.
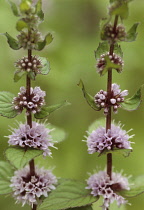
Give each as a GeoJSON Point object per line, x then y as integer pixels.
{"type": "Point", "coordinates": [46, 66]}
{"type": "Point", "coordinates": [20, 25]}
{"type": "Point", "coordinates": [58, 134]}
{"type": "Point", "coordinates": [46, 111]}
{"type": "Point", "coordinates": [132, 103]}
{"type": "Point", "coordinates": [13, 43]}
{"type": "Point", "coordinates": [102, 48]}
{"type": "Point", "coordinates": [14, 8]}
{"type": "Point", "coordinates": [132, 33]}
{"type": "Point", "coordinates": [48, 39]}
{"type": "Point", "coordinates": [6, 106]}
{"type": "Point", "coordinates": [18, 75]}
{"type": "Point", "coordinates": [25, 5]}
{"type": "Point", "coordinates": [19, 157]}
{"type": "Point", "coordinates": [68, 194]}
{"type": "Point", "coordinates": [6, 172]}
{"type": "Point", "coordinates": [137, 187]}
{"type": "Point", "coordinates": [119, 8]}
{"type": "Point", "coordinates": [124, 152]}
{"type": "Point", "coordinates": [88, 97]}
{"type": "Point", "coordinates": [39, 11]}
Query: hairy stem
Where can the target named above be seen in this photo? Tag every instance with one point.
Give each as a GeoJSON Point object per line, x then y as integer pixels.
{"type": "Point", "coordinates": [108, 117]}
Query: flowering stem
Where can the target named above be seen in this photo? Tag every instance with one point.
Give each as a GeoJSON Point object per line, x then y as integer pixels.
{"type": "Point", "coordinates": [108, 117]}
{"type": "Point", "coordinates": [29, 119]}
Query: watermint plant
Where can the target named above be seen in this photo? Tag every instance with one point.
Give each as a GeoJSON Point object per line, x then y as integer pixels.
{"type": "Point", "coordinates": [105, 136]}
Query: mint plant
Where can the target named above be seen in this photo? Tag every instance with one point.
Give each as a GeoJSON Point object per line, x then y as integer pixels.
{"type": "Point", "coordinates": [105, 136]}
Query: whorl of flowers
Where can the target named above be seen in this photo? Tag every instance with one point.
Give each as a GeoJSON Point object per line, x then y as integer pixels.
{"type": "Point", "coordinates": [29, 40]}
{"type": "Point", "coordinates": [100, 140]}
{"type": "Point", "coordinates": [116, 98]}
{"type": "Point", "coordinates": [114, 35]}
{"type": "Point", "coordinates": [27, 188]}
{"type": "Point", "coordinates": [102, 61]}
{"type": "Point", "coordinates": [101, 185]}
{"type": "Point", "coordinates": [33, 103]}
{"type": "Point", "coordinates": [34, 65]}
{"type": "Point", "coordinates": [37, 137]}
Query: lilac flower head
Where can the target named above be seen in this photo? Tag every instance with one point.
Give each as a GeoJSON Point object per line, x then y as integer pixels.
{"type": "Point", "coordinates": [100, 140]}
{"type": "Point", "coordinates": [37, 137]}
{"type": "Point", "coordinates": [34, 65]}
{"type": "Point", "coordinates": [27, 188]}
{"type": "Point", "coordinates": [102, 61]}
{"type": "Point", "coordinates": [117, 97]}
{"type": "Point", "coordinates": [33, 104]}
{"type": "Point", "coordinates": [101, 185]}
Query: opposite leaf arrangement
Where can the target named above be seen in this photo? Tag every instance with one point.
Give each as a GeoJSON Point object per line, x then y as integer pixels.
{"type": "Point", "coordinates": [39, 187]}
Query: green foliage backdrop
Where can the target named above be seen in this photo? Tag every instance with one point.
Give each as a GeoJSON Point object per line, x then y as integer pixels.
{"type": "Point", "coordinates": [75, 27]}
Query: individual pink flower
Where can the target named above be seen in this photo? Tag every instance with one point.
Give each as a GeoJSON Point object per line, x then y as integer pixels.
{"type": "Point", "coordinates": [101, 185]}
{"type": "Point", "coordinates": [27, 188]}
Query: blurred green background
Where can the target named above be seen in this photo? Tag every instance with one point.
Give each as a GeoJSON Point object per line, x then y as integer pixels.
{"type": "Point", "coordinates": [75, 26]}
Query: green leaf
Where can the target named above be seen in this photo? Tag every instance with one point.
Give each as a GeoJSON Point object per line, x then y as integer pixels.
{"type": "Point", "coordinates": [102, 48]}
{"type": "Point", "coordinates": [88, 97]}
{"type": "Point", "coordinates": [45, 111]}
{"type": "Point", "coordinates": [39, 11]}
{"type": "Point", "coordinates": [48, 39]}
{"type": "Point", "coordinates": [21, 25]}
{"type": "Point", "coordinates": [58, 134]}
{"type": "Point", "coordinates": [14, 8]}
{"type": "Point", "coordinates": [31, 75]}
{"type": "Point", "coordinates": [119, 8]}
{"type": "Point", "coordinates": [13, 43]}
{"type": "Point", "coordinates": [68, 194]}
{"type": "Point", "coordinates": [6, 106]}
{"type": "Point", "coordinates": [89, 207]}
{"type": "Point", "coordinates": [18, 75]}
{"type": "Point", "coordinates": [132, 103]}
{"type": "Point", "coordinates": [19, 157]}
{"type": "Point", "coordinates": [46, 66]}
{"type": "Point", "coordinates": [97, 123]}
{"type": "Point", "coordinates": [132, 33]}
{"type": "Point", "coordinates": [124, 152]}
{"type": "Point", "coordinates": [6, 172]}
{"type": "Point", "coordinates": [25, 5]}
{"type": "Point", "coordinates": [136, 188]}
{"type": "Point", "coordinates": [118, 50]}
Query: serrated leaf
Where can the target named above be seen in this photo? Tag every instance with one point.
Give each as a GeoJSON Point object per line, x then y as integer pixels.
{"type": "Point", "coordinates": [39, 11]}
{"type": "Point", "coordinates": [6, 106]}
{"type": "Point", "coordinates": [132, 103]}
{"type": "Point", "coordinates": [89, 207]}
{"type": "Point", "coordinates": [14, 8]}
{"type": "Point", "coordinates": [18, 75]}
{"type": "Point", "coordinates": [46, 111]}
{"type": "Point", "coordinates": [102, 48]}
{"type": "Point", "coordinates": [20, 25]}
{"type": "Point", "coordinates": [68, 194]}
{"type": "Point", "coordinates": [19, 157]}
{"type": "Point", "coordinates": [124, 152]}
{"type": "Point", "coordinates": [48, 39]}
{"type": "Point", "coordinates": [88, 97]}
{"type": "Point", "coordinates": [136, 188]}
{"type": "Point", "coordinates": [119, 8]}
{"type": "Point", "coordinates": [46, 66]}
{"type": "Point", "coordinates": [25, 5]}
{"type": "Point", "coordinates": [13, 43]}
{"type": "Point", "coordinates": [58, 134]}
{"type": "Point", "coordinates": [97, 123]}
{"type": "Point", "coordinates": [132, 33]}
{"type": "Point", "coordinates": [6, 172]}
